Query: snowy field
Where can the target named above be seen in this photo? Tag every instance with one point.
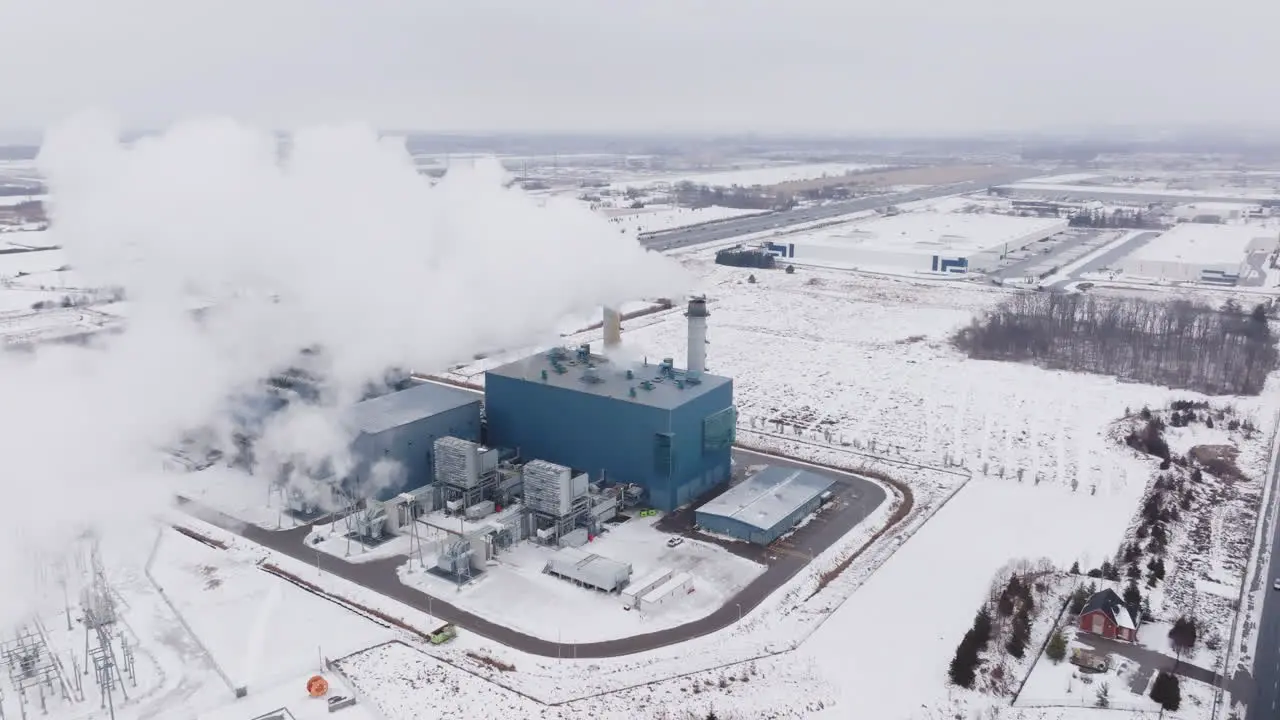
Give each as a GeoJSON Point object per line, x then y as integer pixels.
{"type": "Point", "coordinates": [556, 609]}
{"type": "Point", "coordinates": [259, 629]}
{"type": "Point", "coordinates": [656, 218]}
{"type": "Point", "coordinates": [749, 177]}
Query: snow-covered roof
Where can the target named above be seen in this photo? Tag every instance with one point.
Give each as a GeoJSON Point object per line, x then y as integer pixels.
{"type": "Point", "coordinates": [1109, 603]}
{"type": "Point", "coordinates": [1205, 244]}
{"type": "Point", "coordinates": [768, 497]}
{"type": "Point", "coordinates": [1122, 617]}
{"type": "Point", "coordinates": [933, 232]}
{"type": "Point", "coordinates": [403, 407]}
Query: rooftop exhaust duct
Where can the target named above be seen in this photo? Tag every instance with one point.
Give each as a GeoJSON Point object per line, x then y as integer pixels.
{"type": "Point", "coordinates": [612, 328]}
{"type": "Point", "coordinates": [697, 314]}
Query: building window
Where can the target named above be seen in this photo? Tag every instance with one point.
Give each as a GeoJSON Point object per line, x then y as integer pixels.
{"type": "Point", "coordinates": [662, 454]}
{"type": "Point", "coordinates": [719, 429]}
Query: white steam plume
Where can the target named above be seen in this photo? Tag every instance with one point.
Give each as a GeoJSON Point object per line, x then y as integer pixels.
{"type": "Point", "coordinates": [335, 241]}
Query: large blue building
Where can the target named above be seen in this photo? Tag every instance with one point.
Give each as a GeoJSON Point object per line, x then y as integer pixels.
{"type": "Point", "coordinates": [403, 426]}
{"type": "Point", "coordinates": [666, 430]}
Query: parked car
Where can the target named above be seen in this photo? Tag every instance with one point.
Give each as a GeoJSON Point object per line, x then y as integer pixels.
{"type": "Point", "coordinates": [674, 541]}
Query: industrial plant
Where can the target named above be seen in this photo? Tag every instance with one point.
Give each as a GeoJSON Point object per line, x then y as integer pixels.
{"type": "Point", "coordinates": [561, 446]}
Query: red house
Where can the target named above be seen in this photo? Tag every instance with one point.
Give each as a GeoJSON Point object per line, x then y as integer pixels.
{"type": "Point", "coordinates": [1106, 615]}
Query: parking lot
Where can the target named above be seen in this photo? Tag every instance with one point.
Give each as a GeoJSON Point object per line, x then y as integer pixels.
{"type": "Point", "coordinates": [1039, 258]}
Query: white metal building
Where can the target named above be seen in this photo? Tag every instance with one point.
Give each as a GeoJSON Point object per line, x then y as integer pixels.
{"type": "Point", "coordinates": [1218, 211]}
{"type": "Point", "coordinates": [588, 569]}
{"type": "Point", "coordinates": [924, 242]}
{"type": "Point", "coordinates": [671, 590]}
{"type": "Point", "coordinates": [1196, 252]}
{"type": "Point", "coordinates": [639, 588]}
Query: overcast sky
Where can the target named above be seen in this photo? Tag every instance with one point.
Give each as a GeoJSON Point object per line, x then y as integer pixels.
{"type": "Point", "coordinates": [652, 65]}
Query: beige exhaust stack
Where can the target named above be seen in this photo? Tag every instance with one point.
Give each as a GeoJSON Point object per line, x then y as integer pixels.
{"type": "Point", "coordinates": [612, 328]}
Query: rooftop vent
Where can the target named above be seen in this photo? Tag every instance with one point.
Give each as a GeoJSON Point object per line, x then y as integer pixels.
{"type": "Point", "coordinates": [591, 375]}
{"type": "Point", "coordinates": [646, 385]}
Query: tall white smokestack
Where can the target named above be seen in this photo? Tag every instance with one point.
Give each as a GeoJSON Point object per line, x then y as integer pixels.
{"type": "Point", "coordinates": [697, 314]}
{"type": "Point", "coordinates": [612, 328]}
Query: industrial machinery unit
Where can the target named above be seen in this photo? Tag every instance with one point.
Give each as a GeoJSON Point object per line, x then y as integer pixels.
{"type": "Point", "coordinates": [402, 427]}
{"type": "Point", "coordinates": [466, 471]}
{"type": "Point", "coordinates": [666, 430]}
{"type": "Point", "coordinates": [556, 497]}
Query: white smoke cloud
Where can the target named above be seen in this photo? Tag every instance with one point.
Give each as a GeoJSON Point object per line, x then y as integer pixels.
{"type": "Point", "coordinates": [334, 241]}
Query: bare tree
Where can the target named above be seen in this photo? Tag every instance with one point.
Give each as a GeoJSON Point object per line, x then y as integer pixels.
{"type": "Point", "coordinates": [1178, 344]}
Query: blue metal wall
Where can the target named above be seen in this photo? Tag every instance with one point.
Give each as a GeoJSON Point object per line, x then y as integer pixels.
{"type": "Point", "coordinates": [411, 445]}
{"type": "Point", "coordinates": [613, 438]}
{"type": "Point", "coordinates": [741, 530]}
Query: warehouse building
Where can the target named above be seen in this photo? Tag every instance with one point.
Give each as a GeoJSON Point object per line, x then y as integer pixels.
{"type": "Point", "coordinates": [403, 426]}
{"type": "Point", "coordinates": [1218, 212]}
{"type": "Point", "coordinates": [765, 506]}
{"type": "Point", "coordinates": [1204, 253]}
{"type": "Point", "coordinates": [666, 430]}
{"type": "Point", "coordinates": [920, 242]}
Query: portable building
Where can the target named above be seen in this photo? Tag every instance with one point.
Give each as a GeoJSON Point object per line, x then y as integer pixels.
{"type": "Point", "coordinates": [588, 569]}
{"type": "Point", "coordinates": [671, 590]}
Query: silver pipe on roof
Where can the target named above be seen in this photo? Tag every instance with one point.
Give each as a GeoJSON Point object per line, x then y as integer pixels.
{"type": "Point", "coordinates": [697, 314]}
{"type": "Point", "coordinates": [612, 328]}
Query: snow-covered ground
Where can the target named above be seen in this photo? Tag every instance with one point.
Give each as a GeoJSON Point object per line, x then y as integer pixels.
{"type": "Point", "coordinates": [556, 609]}
{"type": "Point", "coordinates": [749, 177]}
{"type": "Point", "coordinates": [656, 218]}
{"type": "Point", "coordinates": [259, 629]}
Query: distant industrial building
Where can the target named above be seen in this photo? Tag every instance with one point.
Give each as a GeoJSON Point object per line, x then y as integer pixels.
{"type": "Point", "coordinates": [765, 506]}
{"type": "Point", "coordinates": [1214, 254]}
{"type": "Point", "coordinates": [921, 242]}
{"type": "Point", "coordinates": [1069, 191]}
{"type": "Point", "coordinates": [1218, 212]}
{"type": "Point", "coordinates": [652, 425]}
{"type": "Point", "coordinates": [403, 427]}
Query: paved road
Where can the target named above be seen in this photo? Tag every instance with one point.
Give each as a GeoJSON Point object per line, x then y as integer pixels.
{"type": "Point", "coordinates": [380, 576]}
{"type": "Point", "coordinates": [735, 227]}
{"type": "Point", "coordinates": [1265, 703]}
{"type": "Point", "coordinates": [1149, 661]}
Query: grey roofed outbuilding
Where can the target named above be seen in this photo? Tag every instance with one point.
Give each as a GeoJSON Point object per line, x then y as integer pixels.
{"type": "Point", "coordinates": [588, 569]}
{"type": "Point", "coordinates": [399, 408]}
{"type": "Point", "coordinates": [769, 497]}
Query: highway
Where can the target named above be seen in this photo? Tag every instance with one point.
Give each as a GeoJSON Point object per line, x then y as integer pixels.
{"type": "Point", "coordinates": [736, 227]}
{"type": "Point", "coordinates": [1265, 703]}
{"type": "Point", "coordinates": [857, 498]}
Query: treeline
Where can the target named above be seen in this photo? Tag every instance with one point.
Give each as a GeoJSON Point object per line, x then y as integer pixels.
{"type": "Point", "coordinates": [747, 257]}
{"type": "Point", "coordinates": [1118, 218]}
{"type": "Point", "coordinates": [1178, 344]}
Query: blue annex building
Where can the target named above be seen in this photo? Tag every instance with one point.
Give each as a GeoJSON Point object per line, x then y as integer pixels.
{"type": "Point", "coordinates": [667, 430]}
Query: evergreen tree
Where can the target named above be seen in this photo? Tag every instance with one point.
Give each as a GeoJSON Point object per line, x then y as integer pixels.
{"type": "Point", "coordinates": [964, 665]}
{"type": "Point", "coordinates": [982, 627]}
{"type": "Point", "coordinates": [1165, 691]}
{"type": "Point", "coordinates": [1133, 600]}
{"type": "Point", "coordinates": [1079, 597]}
{"type": "Point", "coordinates": [1075, 568]}
{"type": "Point", "coordinates": [1057, 648]}
{"type": "Point", "coordinates": [1020, 634]}
{"type": "Point", "coordinates": [1183, 634]}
